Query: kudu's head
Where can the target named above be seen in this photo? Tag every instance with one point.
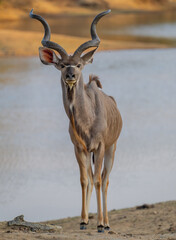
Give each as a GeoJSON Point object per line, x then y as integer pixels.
{"type": "Point", "coordinates": [70, 66]}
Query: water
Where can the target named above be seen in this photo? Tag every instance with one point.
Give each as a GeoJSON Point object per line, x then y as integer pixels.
{"type": "Point", "coordinates": [39, 176]}
{"type": "Point", "coordinates": [156, 25]}
{"type": "Point", "coordinates": [167, 30]}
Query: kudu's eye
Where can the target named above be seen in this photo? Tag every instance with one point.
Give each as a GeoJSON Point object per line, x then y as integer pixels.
{"type": "Point", "coordinates": [79, 65]}
{"type": "Point", "coordinates": [62, 65]}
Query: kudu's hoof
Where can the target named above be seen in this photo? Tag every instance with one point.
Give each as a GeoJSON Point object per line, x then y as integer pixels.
{"type": "Point", "coordinates": [100, 228]}
{"type": "Point", "coordinates": [83, 225]}
{"type": "Point", "coordinates": [107, 228]}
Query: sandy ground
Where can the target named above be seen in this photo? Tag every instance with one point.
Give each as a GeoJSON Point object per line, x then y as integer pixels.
{"type": "Point", "coordinates": [155, 222]}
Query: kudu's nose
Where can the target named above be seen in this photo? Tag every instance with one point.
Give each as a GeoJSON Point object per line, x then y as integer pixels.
{"type": "Point", "coordinates": [70, 76]}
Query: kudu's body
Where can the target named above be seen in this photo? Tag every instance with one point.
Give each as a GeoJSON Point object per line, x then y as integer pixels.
{"type": "Point", "coordinates": [95, 121]}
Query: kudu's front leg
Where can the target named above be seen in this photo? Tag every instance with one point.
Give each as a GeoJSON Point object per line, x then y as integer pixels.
{"type": "Point", "coordinates": [108, 163]}
{"type": "Point", "coordinates": [82, 159]}
{"type": "Point", "coordinates": [99, 155]}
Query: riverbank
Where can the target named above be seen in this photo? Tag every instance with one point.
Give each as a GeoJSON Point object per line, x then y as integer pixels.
{"type": "Point", "coordinates": [19, 38]}
{"type": "Point", "coordinates": [157, 221]}
{"type": "Point", "coordinates": [16, 41]}
{"type": "Point", "coordinates": [27, 43]}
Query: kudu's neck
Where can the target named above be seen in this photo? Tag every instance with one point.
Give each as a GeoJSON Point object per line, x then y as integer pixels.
{"type": "Point", "coordinates": [75, 98]}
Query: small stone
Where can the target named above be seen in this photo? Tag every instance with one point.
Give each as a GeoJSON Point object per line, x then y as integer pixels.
{"type": "Point", "coordinates": [33, 227]}
{"type": "Point", "coordinates": [129, 234]}
{"type": "Point", "coordinates": [144, 206]}
{"type": "Point", "coordinates": [112, 232]}
{"type": "Point", "coordinates": [172, 229]}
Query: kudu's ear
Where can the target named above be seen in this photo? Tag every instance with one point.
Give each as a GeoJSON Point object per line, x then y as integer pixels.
{"type": "Point", "coordinates": [48, 56]}
{"type": "Point", "coordinates": [88, 57]}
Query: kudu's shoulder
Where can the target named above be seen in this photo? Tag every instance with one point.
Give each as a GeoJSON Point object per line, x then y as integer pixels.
{"type": "Point", "coordinates": [95, 85]}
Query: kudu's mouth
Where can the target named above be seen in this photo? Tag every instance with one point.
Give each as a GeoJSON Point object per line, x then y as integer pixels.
{"type": "Point", "coordinates": [70, 83]}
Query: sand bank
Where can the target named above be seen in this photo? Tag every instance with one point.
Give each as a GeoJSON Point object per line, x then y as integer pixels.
{"type": "Point", "coordinates": [152, 222]}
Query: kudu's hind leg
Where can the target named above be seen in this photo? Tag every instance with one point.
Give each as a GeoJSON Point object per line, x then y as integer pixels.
{"type": "Point", "coordinates": [108, 163]}
{"type": "Point", "coordinates": [82, 158]}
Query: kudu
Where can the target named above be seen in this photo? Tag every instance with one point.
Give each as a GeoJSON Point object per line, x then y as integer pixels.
{"type": "Point", "coordinates": [95, 121]}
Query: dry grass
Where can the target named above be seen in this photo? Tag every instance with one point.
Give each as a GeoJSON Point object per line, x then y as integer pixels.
{"type": "Point", "coordinates": [13, 9]}
{"type": "Point", "coordinates": [17, 9]}
{"type": "Point", "coordinates": [148, 5]}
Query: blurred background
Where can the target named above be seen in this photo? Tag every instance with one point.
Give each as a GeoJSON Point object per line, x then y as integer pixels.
{"type": "Point", "coordinates": [38, 170]}
{"type": "Point", "coordinates": [132, 24]}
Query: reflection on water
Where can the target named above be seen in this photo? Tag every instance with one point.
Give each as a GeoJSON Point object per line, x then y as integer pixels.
{"type": "Point", "coordinates": [38, 171]}
{"type": "Point", "coordinates": [116, 24]}
{"type": "Point", "coordinates": [166, 30]}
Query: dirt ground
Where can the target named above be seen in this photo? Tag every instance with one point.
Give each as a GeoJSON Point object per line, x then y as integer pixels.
{"type": "Point", "coordinates": [152, 222]}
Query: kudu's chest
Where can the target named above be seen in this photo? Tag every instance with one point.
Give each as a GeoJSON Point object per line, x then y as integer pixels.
{"type": "Point", "coordinates": [82, 125]}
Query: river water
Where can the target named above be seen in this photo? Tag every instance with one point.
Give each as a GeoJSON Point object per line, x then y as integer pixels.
{"type": "Point", "coordinates": [39, 176]}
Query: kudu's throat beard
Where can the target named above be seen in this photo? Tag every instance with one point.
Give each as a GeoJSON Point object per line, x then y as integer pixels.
{"type": "Point", "coordinates": [70, 89]}
{"type": "Point", "coordinates": [70, 84]}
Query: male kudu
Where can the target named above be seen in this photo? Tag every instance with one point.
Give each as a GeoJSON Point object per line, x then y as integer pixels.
{"type": "Point", "coordinates": [95, 121]}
